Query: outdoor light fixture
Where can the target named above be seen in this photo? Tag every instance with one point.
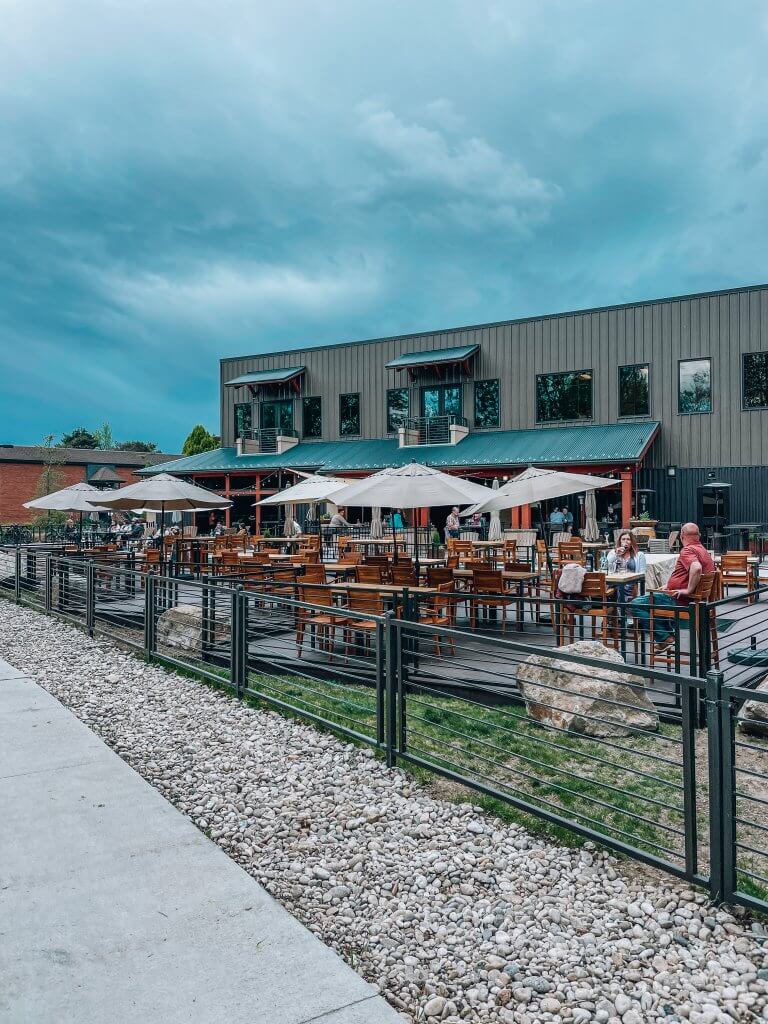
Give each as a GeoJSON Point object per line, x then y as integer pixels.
{"type": "Point", "coordinates": [671, 470]}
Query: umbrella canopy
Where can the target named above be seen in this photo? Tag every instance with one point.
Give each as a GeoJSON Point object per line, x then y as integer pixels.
{"type": "Point", "coordinates": [494, 527]}
{"type": "Point", "coordinates": [410, 486]}
{"type": "Point", "coordinates": [306, 492]}
{"type": "Point", "coordinates": [591, 531]}
{"type": "Point", "coordinates": [534, 485]}
{"type": "Point", "coordinates": [163, 493]}
{"type": "Point", "coordinates": [71, 499]}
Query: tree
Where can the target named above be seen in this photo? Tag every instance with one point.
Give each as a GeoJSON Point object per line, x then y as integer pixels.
{"type": "Point", "coordinates": [79, 438]}
{"type": "Point", "coordinates": [105, 437]}
{"type": "Point", "coordinates": [136, 446]}
{"type": "Point", "coordinates": [51, 478]}
{"type": "Point", "coordinates": [199, 440]}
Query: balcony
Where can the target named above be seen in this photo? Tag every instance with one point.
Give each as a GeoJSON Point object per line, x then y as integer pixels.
{"type": "Point", "coordinates": [421, 430]}
{"type": "Point", "coordinates": [262, 442]}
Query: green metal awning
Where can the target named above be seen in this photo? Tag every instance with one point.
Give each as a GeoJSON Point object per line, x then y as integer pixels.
{"type": "Point", "coordinates": [279, 376]}
{"type": "Point", "coordinates": [612, 445]}
{"type": "Point", "coordinates": [436, 357]}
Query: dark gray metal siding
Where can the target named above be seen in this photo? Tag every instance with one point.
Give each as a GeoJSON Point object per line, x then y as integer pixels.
{"type": "Point", "coordinates": [719, 325]}
{"type": "Point", "coordinates": [676, 498]}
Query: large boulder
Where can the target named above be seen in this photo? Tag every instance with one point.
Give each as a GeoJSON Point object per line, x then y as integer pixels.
{"type": "Point", "coordinates": [753, 717]}
{"type": "Point", "coordinates": [182, 627]}
{"type": "Point", "coordinates": [585, 699]}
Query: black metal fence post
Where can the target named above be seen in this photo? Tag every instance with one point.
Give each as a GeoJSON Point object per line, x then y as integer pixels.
{"type": "Point", "coordinates": [48, 584]}
{"type": "Point", "coordinates": [392, 660]}
{"type": "Point", "coordinates": [238, 655]}
{"type": "Point", "coordinates": [17, 576]}
{"type": "Point", "coordinates": [717, 813]}
{"type": "Point", "coordinates": [90, 597]}
{"type": "Point", "coordinates": [150, 638]}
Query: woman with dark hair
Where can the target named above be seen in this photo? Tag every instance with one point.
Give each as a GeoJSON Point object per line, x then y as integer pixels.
{"type": "Point", "coordinates": [625, 557]}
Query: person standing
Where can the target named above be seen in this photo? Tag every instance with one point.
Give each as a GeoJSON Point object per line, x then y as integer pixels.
{"type": "Point", "coordinates": [453, 524]}
{"type": "Point", "coordinates": [693, 561]}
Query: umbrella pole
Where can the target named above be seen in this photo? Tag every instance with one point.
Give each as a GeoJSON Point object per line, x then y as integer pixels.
{"type": "Point", "coordinates": [394, 533]}
{"type": "Point", "coordinates": [544, 535]}
{"type": "Point", "coordinates": [416, 542]}
{"type": "Point", "coordinates": [80, 535]}
{"type": "Point", "coordinates": [162, 537]}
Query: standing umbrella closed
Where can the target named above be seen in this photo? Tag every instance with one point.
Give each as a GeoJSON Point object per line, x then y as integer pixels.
{"type": "Point", "coordinates": [79, 498]}
{"type": "Point", "coordinates": [165, 493]}
{"type": "Point", "coordinates": [377, 528]}
{"type": "Point", "coordinates": [494, 527]}
{"type": "Point", "coordinates": [591, 530]}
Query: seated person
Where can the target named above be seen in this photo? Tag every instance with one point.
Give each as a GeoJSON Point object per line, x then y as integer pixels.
{"type": "Point", "coordinates": [557, 518]}
{"type": "Point", "coordinates": [338, 521]}
{"type": "Point", "coordinates": [692, 562]}
{"type": "Point", "coordinates": [625, 558]}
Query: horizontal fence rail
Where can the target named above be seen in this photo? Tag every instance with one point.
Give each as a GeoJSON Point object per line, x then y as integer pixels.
{"type": "Point", "coordinates": [663, 759]}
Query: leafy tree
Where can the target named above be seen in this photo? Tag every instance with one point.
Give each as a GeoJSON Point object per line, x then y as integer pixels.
{"type": "Point", "coordinates": [79, 438]}
{"type": "Point", "coordinates": [105, 437]}
{"type": "Point", "coordinates": [135, 446]}
{"type": "Point", "coordinates": [199, 440]}
{"type": "Point", "coordinates": [51, 479]}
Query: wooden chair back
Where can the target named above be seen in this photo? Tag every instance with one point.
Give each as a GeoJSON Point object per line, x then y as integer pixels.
{"type": "Point", "coordinates": [403, 575]}
{"type": "Point", "coordinates": [316, 595]}
{"type": "Point", "coordinates": [509, 551]}
{"type": "Point", "coordinates": [734, 562]}
{"type": "Point", "coordinates": [487, 581]}
{"type": "Point", "coordinates": [570, 551]}
{"type": "Point", "coordinates": [517, 567]}
{"type": "Point", "coordinates": [365, 601]}
{"type": "Point", "coordinates": [439, 575]}
{"type": "Point", "coordinates": [377, 560]}
{"type": "Point", "coordinates": [314, 573]}
{"type": "Point", "coordinates": [369, 573]}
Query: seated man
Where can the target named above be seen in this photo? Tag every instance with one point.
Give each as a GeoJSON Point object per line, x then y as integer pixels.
{"type": "Point", "coordinates": [693, 560]}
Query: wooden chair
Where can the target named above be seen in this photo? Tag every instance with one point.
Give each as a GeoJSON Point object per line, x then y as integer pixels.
{"type": "Point", "coordinates": [367, 603]}
{"type": "Point", "coordinates": [439, 611]}
{"type": "Point", "coordinates": [462, 549]}
{"type": "Point", "coordinates": [437, 575]}
{"type": "Point", "coordinates": [384, 560]}
{"type": "Point", "coordinates": [735, 572]}
{"type": "Point", "coordinates": [322, 625]}
{"type": "Point", "coordinates": [313, 573]}
{"type": "Point", "coordinates": [509, 551]}
{"type": "Point", "coordinates": [369, 574]}
{"type": "Point", "coordinates": [592, 603]}
{"type": "Point", "coordinates": [706, 590]}
{"type": "Point", "coordinates": [488, 592]}
{"type": "Point", "coordinates": [403, 575]}
{"type": "Point", "coordinates": [349, 557]}
{"type": "Point", "coordinates": [571, 551]}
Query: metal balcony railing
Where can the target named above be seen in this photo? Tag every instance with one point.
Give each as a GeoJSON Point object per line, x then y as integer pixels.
{"type": "Point", "coordinates": [266, 439]}
{"type": "Point", "coordinates": [432, 429]}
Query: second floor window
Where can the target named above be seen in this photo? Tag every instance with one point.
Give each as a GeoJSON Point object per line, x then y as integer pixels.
{"type": "Point", "coordinates": [487, 411]}
{"type": "Point", "coordinates": [564, 396]}
{"type": "Point", "coordinates": [694, 392]}
{"type": "Point", "coordinates": [754, 388]}
{"type": "Point", "coordinates": [243, 418]}
{"type": "Point", "coordinates": [312, 417]}
{"type": "Point", "coordinates": [634, 393]}
{"type": "Point", "coordinates": [349, 414]}
{"type": "Point", "coordinates": [441, 400]}
{"type": "Point", "coordinates": [277, 415]}
{"type": "Point", "coordinates": [398, 405]}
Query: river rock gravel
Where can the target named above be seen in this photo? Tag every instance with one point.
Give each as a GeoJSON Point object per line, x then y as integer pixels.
{"type": "Point", "coordinates": [454, 915]}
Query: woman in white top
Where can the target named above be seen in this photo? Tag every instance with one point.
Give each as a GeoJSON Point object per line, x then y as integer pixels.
{"type": "Point", "coordinates": [625, 557]}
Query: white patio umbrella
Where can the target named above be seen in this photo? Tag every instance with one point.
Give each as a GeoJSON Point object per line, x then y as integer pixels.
{"type": "Point", "coordinates": [410, 486]}
{"type": "Point", "coordinates": [164, 493]}
{"type": "Point", "coordinates": [591, 530]}
{"type": "Point", "coordinates": [312, 491]}
{"type": "Point", "coordinates": [74, 498]}
{"type": "Point", "coordinates": [534, 485]}
{"type": "Point", "coordinates": [494, 526]}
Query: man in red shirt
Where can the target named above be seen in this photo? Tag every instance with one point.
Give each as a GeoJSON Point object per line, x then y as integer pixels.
{"type": "Point", "coordinates": [692, 562]}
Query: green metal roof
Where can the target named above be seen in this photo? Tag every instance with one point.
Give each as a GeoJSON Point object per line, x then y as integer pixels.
{"type": "Point", "coordinates": [607, 444]}
{"type": "Point", "coordinates": [440, 355]}
{"type": "Point", "coordinates": [279, 376]}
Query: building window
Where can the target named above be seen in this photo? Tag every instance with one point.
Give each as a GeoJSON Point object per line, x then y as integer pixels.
{"type": "Point", "coordinates": [441, 400]}
{"type": "Point", "coordinates": [312, 417]}
{"type": "Point", "coordinates": [398, 405]}
{"type": "Point", "coordinates": [564, 396]}
{"type": "Point", "coordinates": [754, 377]}
{"type": "Point", "coordinates": [634, 392]}
{"type": "Point", "coordinates": [694, 392]}
{"type": "Point", "coordinates": [243, 418]}
{"type": "Point", "coordinates": [487, 411]}
{"type": "Point", "coordinates": [277, 414]}
{"type": "Point", "coordinates": [349, 414]}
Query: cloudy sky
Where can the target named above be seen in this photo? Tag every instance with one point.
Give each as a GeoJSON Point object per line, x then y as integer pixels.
{"type": "Point", "coordinates": [180, 181]}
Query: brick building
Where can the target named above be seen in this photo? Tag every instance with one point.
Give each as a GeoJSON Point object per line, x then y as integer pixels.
{"type": "Point", "coordinates": [21, 466]}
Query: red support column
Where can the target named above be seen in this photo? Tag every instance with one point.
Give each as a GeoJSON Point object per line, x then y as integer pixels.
{"type": "Point", "coordinates": [626, 498]}
{"type": "Point", "coordinates": [525, 517]}
{"type": "Point", "coordinates": [516, 519]}
{"type": "Point", "coordinates": [257, 498]}
{"type": "Point", "coordinates": [227, 510]}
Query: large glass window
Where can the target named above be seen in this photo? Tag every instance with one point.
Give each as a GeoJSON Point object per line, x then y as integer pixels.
{"type": "Point", "coordinates": [277, 415]}
{"type": "Point", "coordinates": [349, 414]}
{"type": "Point", "coordinates": [694, 393]}
{"type": "Point", "coordinates": [441, 400]}
{"type": "Point", "coordinates": [754, 388]}
{"type": "Point", "coordinates": [634, 392]}
{"type": "Point", "coordinates": [487, 411]}
{"type": "Point", "coordinates": [312, 417]}
{"type": "Point", "coordinates": [243, 418]}
{"type": "Point", "coordinates": [398, 405]}
{"type": "Point", "coordinates": [564, 396]}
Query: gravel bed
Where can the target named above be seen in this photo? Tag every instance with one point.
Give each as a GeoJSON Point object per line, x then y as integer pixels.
{"type": "Point", "coordinates": [454, 915]}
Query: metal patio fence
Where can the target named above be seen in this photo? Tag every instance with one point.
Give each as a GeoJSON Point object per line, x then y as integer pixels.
{"type": "Point", "coordinates": [670, 769]}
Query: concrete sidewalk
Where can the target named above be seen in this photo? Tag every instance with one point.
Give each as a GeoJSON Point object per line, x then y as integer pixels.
{"type": "Point", "coordinates": [114, 907]}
